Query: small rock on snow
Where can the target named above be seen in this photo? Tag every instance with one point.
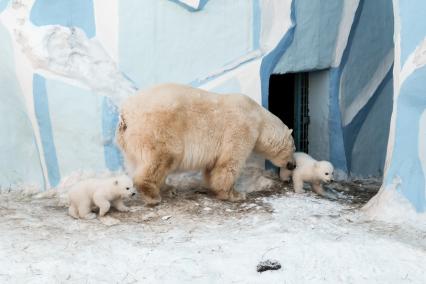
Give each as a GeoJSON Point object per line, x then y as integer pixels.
{"type": "Point", "coordinates": [268, 265]}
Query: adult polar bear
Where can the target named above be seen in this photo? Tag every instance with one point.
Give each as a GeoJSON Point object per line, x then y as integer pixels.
{"type": "Point", "coordinates": [174, 127]}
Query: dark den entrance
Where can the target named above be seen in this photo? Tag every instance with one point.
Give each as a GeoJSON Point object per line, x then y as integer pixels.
{"type": "Point", "coordinates": [288, 99]}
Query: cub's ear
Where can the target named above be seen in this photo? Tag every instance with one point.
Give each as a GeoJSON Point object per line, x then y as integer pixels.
{"type": "Point", "coordinates": [291, 131]}
{"type": "Point", "coordinates": [116, 182]}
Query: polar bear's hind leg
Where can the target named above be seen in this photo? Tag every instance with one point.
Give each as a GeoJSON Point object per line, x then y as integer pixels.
{"type": "Point", "coordinates": [84, 211]}
{"type": "Point", "coordinates": [150, 177]}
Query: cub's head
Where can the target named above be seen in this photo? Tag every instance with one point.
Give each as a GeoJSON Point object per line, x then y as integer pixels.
{"type": "Point", "coordinates": [324, 171]}
{"type": "Point", "coordinates": [124, 186]}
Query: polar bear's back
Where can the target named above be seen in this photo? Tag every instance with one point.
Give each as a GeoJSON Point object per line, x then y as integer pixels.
{"type": "Point", "coordinates": [192, 123]}
{"type": "Point", "coordinates": [303, 160]}
{"type": "Point", "coordinates": [83, 190]}
{"type": "Point", "coordinates": [173, 97]}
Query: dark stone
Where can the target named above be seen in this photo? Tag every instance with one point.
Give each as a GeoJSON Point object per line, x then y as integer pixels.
{"type": "Point", "coordinates": [268, 265]}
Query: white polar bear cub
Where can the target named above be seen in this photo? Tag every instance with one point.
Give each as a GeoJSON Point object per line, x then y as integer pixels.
{"type": "Point", "coordinates": [308, 170]}
{"type": "Point", "coordinates": [101, 193]}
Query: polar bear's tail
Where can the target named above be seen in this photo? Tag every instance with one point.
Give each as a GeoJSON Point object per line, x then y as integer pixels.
{"type": "Point", "coordinates": [120, 132]}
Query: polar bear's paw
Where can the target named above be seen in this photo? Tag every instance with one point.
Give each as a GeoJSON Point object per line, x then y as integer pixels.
{"type": "Point", "coordinates": [299, 191]}
{"type": "Point", "coordinates": [237, 196]}
{"type": "Point", "coordinates": [124, 209]}
{"type": "Point", "coordinates": [89, 216]}
{"type": "Point", "coordinates": [151, 201]}
{"type": "Point", "coordinates": [232, 195]}
{"type": "Point", "coordinates": [109, 221]}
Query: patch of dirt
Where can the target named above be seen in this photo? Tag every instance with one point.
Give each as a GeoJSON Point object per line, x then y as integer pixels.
{"type": "Point", "coordinates": [356, 192]}
{"type": "Point", "coordinates": [189, 199]}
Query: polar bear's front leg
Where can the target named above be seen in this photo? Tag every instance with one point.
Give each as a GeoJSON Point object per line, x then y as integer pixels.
{"type": "Point", "coordinates": [72, 211]}
{"type": "Point", "coordinates": [316, 186]}
{"type": "Point", "coordinates": [119, 205]}
{"type": "Point", "coordinates": [298, 184]}
{"type": "Point", "coordinates": [102, 203]}
{"type": "Point", "coordinates": [285, 174]}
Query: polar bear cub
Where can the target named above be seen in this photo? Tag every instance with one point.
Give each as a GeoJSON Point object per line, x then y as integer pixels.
{"type": "Point", "coordinates": [101, 193]}
{"type": "Point", "coordinates": [308, 170]}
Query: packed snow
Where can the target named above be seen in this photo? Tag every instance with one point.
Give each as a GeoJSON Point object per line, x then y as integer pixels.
{"type": "Point", "coordinates": [193, 238]}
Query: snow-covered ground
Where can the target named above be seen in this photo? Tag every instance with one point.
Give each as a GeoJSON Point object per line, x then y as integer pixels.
{"type": "Point", "coordinates": [193, 238]}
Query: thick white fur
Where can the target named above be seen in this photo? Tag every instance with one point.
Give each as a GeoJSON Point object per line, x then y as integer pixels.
{"type": "Point", "coordinates": [174, 127]}
{"type": "Point", "coordinates": [308, 170]}
{"type": "Point", "coordinates": [101, 193]}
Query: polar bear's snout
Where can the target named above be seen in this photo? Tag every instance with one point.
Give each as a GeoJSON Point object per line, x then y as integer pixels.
{"type": "Point", "coordinates": [130, 191]}
{"type": "Point", "coordinates": [291, 165]}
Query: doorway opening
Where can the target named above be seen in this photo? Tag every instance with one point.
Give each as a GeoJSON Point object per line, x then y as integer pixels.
{"type": "Point", "coordinates": [289, 101]}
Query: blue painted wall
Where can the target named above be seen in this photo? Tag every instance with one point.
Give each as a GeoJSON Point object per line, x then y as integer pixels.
{"type": "Point", "coordinates": [76, 120]}
{"type": "Point", "coordinates": [68, 13]}
{"type": "Point", "coordinates": [408, 160]}
{"type": "Point", "coordinates": [315, 36]}
{"type": "Point", "coordinates": [372, 138]}
{"type": "Point", "coordinates": [371, 41]}
{"type": "Point", "coordinates": [406, 164]}
{"type": "Point", "coordinates": [190, 8]}
{"type": "Point", "coordinates": [3, 4]}
{"type": "Point", "coordinates": [20, 159]}
{"type": "Point", "coordinates": [163, 40]}
{"type": "Point", "coordinates": [180, 39]}
{"type": "Point", "coordinates": [413, 26]}
{"type": "Point", "coordinates": [110, 116]}
{"type": "Point", "coordinates": [42, 112]}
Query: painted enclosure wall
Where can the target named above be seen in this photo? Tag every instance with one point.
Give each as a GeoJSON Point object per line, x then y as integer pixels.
{"type": "Point", "coordinates": [406, 156]}
{"type": "Point", "coordinates": [352, 41]}
{"type": "Point", "coordinates": [67, 65]}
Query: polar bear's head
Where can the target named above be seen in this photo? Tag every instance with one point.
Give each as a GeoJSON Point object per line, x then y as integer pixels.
{"type": "Point", "coordinates": [124, 186]}
{"type": "Point", "coordinates": [285, 156]}
{"type": "Point", "coordinates": [324, 171]}
{"type": "Point", "coordinates": [284, 159]}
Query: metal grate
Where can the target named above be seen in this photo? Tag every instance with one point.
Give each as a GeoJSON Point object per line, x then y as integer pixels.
{"type": "Point", "coordinates": [301, 112]}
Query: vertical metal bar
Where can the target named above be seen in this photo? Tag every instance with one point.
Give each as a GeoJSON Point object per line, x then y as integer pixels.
{"type": "Point", "coordinates": [297, 111]}
{"type": "Point", "coordinates": [301, 111]}
{"type": "Point", "coordinates": [307, 112]}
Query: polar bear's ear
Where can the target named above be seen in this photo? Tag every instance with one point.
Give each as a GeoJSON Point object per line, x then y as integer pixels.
{"type": "Point", "coordinates": [291, 131]}
{"type": "Point", "coordinates": [116, 182]}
